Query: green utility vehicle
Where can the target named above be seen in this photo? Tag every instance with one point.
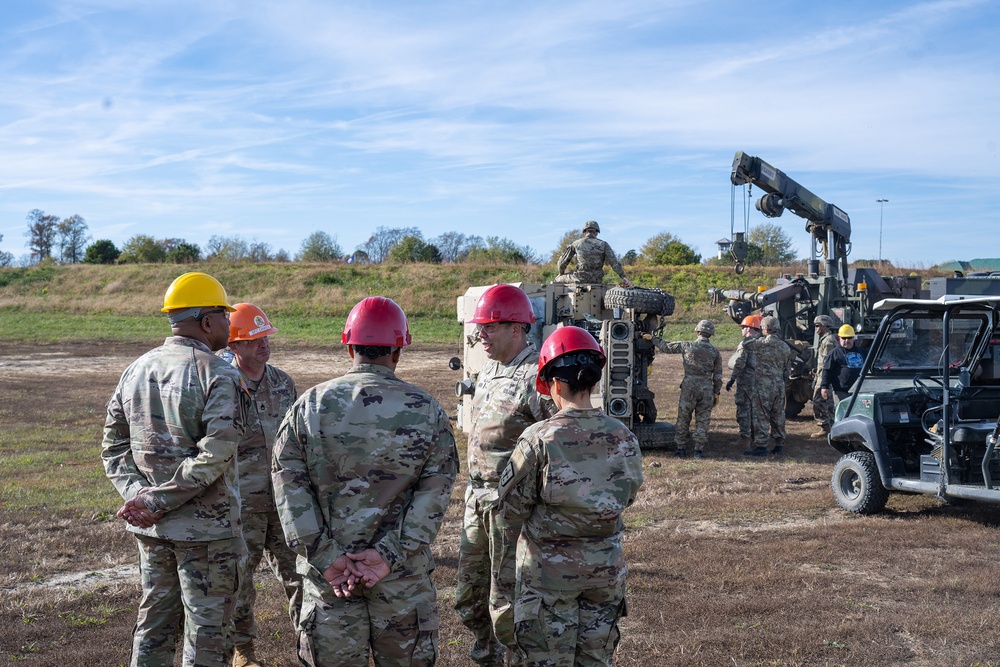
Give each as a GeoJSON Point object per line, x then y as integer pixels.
{"type": "Point", "coordinates": [924, 414]}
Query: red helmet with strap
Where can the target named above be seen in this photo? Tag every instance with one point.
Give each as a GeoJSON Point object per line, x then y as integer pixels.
{"type": "Point", "coordinates": [503, 303]}
{"type": "Point", "coordinates": [376, 320]}
{"type": "Point", "coordinates": [562, 342]}
{"type": "Point", "coordinates": [249, 323]}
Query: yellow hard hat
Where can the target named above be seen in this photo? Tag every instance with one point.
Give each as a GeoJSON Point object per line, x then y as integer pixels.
{"type": "Point", "coordinates": [195, 290]}
{"type": "Point", "coordinates": [845, 331]}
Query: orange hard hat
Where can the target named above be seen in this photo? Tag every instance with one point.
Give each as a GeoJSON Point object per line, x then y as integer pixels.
{"type": "Point", "coordinates": [564, 341]}
{"type": "Point", "coordinates": [376, 320]}
{"type": "Point", "coordinates": [503, 303]}
{"type": "Point", "coordinates": [751, 321]}
{"type": "Point", "coordinates": [249, 322]}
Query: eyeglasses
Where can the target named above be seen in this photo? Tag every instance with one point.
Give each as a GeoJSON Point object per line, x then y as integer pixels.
{"type": "Point", "coordinates": [490, 328]}
{"type": "Point", "coordinates": [203, 315]}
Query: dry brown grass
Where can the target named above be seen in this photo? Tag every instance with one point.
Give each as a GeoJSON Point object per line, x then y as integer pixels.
{"type": "Point", "coordinates": [732, 562]}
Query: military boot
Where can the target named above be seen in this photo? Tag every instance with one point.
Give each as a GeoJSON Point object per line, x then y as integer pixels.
{"type": "Point", "coordinates": [744, 441]}
{"type": "Point", "coordinates": [698, 454]}
{"type": "Point", "coordinates": [823, 431]}
{"type": "Point", "coordinates": [681, 453]}
{"type": "Point", "coordinates": [756, 451]}
{"type": "Point", "coordinates": [244, 656]}
{"type": "Point", "coordinates": [778, 450]}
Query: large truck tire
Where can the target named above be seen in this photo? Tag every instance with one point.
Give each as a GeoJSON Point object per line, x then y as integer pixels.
{"type": "Point", "coordinates": [639, 299]}
{"type": "Point", "coordinates": [658, 435]}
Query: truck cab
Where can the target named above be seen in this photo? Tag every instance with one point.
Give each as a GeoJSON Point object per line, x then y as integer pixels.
{"type": "Point", "coordinates": [923, 415]}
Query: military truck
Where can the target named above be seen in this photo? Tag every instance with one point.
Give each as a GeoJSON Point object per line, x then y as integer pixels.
{"type": "Point", "coordinates": [924, 415]}
{"type": "Point", "coordinates": [845, 294]}
{"type": "Point", "coordinates": [616, 316]}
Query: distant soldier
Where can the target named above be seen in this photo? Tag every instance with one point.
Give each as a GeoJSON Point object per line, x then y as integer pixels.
{"type": "Point", "coordinates": [827, 343]}
{"type": "Point", "coordinates": [563, 494]}
{"type": "Point", "coordinates": [591, 255]}
{"type": "Point", "coordinates": [272, 392]}
{"type": "Point", "coordinates": [363, 470]}
{"type": "Point", "coordinates": [170, 442]}
{"type": "Point", "coordinates": [505, 402]}
{"type": "Point", "coordinates": [744, 366]}
{"type": "Point", "coordinates": [700, 387]}
{"type": "Point", "coordinates": [774, 365]}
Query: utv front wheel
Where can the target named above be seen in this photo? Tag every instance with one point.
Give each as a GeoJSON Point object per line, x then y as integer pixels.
{"type": "Point", "coordinates": [857, 485]}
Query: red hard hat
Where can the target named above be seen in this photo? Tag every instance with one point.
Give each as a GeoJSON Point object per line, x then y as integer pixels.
{"type": "Point", "coordinates": [249, 322]}
{"type": "Point", "coordinates": [563, 341]}
{"type": "Point", "coordinates": [376, 320]}
{"type": "Point", "coordinates": [503, 303]}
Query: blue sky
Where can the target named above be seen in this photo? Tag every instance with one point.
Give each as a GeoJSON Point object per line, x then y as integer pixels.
{"type": "Point", "coordinates": [517, 119]}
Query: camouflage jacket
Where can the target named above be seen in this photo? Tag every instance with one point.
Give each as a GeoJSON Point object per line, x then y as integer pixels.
{"type": "Point", "coordinates": [564, 491]}
{"type": "Point", "coordinates": [364, 460]}
{"type": "Point", "coordinates": [826, 345]}
{"type": "Point", "coordinates": [268, 404]}
{"type": "Point", "coordinates": [774, 360]}
{"type": "Point", "coordinates": [591, 256]}
{"type": "Point", "coordinates": [173, 425]}
{"type": "Point", "coordinates": [744, 365]}
{"type": "Point", "coordinates": [505, 403]}
{"type": "Point", "coordinates": [702, 362]}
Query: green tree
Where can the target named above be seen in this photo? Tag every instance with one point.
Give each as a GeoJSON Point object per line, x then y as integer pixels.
{"type": "Point", "coordinates": [142, 249]}
{"type": "Point", "coordinates": [101, 251]}
{"type": "Point", "coordinates": [319, 247]}
{"type": "Point", "coordinates": [630, 258]}
{"type": "Point", "coordinates": [564, 243]}
{"type": "Point", "coordinates": [72, 237]}
{"type": "Point", "coordinates": [454, 246]}
{"type": "Point", "coordinates": [184, 253]}
{"type": "Point", "coordinates": [502, 251]}
{"type": "Point", "coordinates": [414, 249]}
{"type": "Point", "coordinates": [665, 249]}
{"type": "Point", "coordinates": [41, 233]}
{"type": "Point", "coordinates": [769, 245]}
{"type": "Point", "coordinates": [382, 239]}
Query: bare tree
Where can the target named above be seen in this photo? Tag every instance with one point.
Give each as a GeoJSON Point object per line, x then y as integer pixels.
{"type": "Point", "coordinates": [73, 238]}
{"type": "Point", "coordinates": [455, 246]}
{"type": "Point", "coordinates": [6, 258]}
{"type": "Point", "coordinates": [259, 252]}
{"type": "Point", "coordinates": [382, 239]}
{"type": "Point", "coordinates": [42, 230]}
{"type": "Point", "coordinates": [227, 248]}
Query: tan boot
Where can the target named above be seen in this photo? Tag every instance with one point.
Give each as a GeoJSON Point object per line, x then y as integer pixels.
{"type": "Point", "coordinates": [821, 433]}
{"type": "Point", "coordinates": [244, 656]}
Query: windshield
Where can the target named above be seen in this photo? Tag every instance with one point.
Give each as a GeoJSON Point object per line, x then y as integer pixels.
{"type": "Point", "coordinates": [917, 341]}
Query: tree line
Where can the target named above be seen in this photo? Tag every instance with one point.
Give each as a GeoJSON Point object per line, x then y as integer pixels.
{"type": "Point", "coordinates": [51, 239]}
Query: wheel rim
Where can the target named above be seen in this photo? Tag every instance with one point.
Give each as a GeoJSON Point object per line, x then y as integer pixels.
{"type": "Point", "coordinates": [850, 484]}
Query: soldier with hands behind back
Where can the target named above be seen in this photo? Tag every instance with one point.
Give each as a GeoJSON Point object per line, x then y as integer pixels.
{"type": "Point", "coordinates": [363, 470]}
{"type": "Point", "coordinates": [170, 442]}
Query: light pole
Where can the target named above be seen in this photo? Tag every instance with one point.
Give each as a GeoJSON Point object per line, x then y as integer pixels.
{"type": "Point", "coordinates": [881, 207]}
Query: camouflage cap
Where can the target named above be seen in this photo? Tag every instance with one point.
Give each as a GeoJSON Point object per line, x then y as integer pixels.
{"type": "Point", "coordinates": [591, 224]}
{"type": "Point", "coordinates": [823, 320]}
{"type": "Point", "coordinates": [706, 327]}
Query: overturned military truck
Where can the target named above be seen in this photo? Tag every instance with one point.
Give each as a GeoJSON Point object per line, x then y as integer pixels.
{"type": "Point", "coordinates": [616, 316]}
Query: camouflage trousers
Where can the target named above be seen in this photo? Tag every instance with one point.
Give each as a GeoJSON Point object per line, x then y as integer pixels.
{"type": "Point", "coordinates": [696, 399]}
{"type": "Point", "coordinates": [396, 620]}
{"type": "Point", "coordinates": [744, 409]}
{"type": "Point", "coordinates": [823, 408]}
{"type": "Point", "coordinates": [262, 531]}
{"type": "Point", "coordinates": [189, 584]}
{"type": "Point", "coordinates": [591, 277]}
{"type": "Point", "coordinates": [484, 597]}
{"type": "Point", "coordinates": [768, 414]}
{"type": "Point", "coordinates": [574, 628]}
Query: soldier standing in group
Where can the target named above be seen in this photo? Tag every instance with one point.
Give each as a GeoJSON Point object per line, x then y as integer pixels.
{"type": "Point", "coordinates": [504, 403]}
{"type": "Point", "coordinates": [700, 387]}
{"type": "Point", "coordinates": [591, 255]}
{"type": "Point", "coordinates": [170, 442]}
{"type": "Point", "coordinates": [563, 493]}
{"type": "Point", "coordinates": [822, 407]}
{"type": "Point", "coordinates": [774, 365]}
{"type": "Point", "coordinates": [743, 372]}
{"type": "Point", "coordinates": [363, 469]}
{"type": "Point", "coordinates": [272, 392]}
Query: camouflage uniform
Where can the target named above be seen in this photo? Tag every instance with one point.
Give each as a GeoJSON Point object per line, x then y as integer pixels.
{"type": "Point", "coordinates": [171, 433]}
{"type": "Point", "coordinates": [505, 402]}
{"type": "Point", "coordinates": [591, 256]}
{"type": "Point", "coordinates": [563, 494]}
{"type": "Point", "coordinates": [702, 379]}
{"type": "Point", "coordinates": [774, 365]}
{"type": "Point", "coordinates": [365, 461]}
{"type": "Point", "coordinates": [261, 525]}
{"type": "Point", "coordinates": [823, 407]}
{"type": "Point", "coordinates": [744, 367]}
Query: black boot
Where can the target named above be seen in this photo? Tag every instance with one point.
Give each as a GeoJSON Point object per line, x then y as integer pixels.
{"type": "Point", "coordinates": [756, 451]}
{"type": "Point", "coordinates": [778, 450]}
{"type": "Point", "coordinates": [681, 453]}
{"type": "Point", "coordinates": [698, 454]}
